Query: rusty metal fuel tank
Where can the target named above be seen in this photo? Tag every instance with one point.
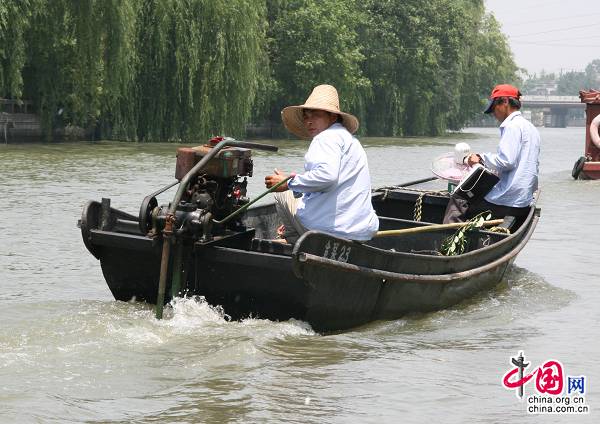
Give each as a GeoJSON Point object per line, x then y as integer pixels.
{"type": "Point", "coordinates": [228, 163]}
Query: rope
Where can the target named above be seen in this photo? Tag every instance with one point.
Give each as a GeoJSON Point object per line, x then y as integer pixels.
{"type": "Point", "coordinates": [501, 230]}
{"type": "Point", "coordinates": [419, 207]}
{"type": "Point", "coordinates": [418, 212]}
{"type": "Point", "coordinates": [417, 190]}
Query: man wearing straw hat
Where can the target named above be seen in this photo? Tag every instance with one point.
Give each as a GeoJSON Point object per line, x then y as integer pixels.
{"type": "Point", "coordinates": [333, 194]}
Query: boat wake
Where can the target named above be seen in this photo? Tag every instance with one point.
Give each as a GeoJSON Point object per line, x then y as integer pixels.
{"type": "Point", "coordinates": [520, 294]}
{"type": "Point", "coordinates": [525, 291]}
{"type": "Point", "coordinates": [194, 312]}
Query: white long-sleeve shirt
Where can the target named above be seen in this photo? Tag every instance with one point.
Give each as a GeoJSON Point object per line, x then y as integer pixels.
{"type": "Point", "coordinates": [516, 161]}
{"type": "Point", "coordinates": [336, 187]}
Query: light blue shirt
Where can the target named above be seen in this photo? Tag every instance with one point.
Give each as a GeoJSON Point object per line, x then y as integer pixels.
{"type": "Point", "coordinates": [336, 187]}
{"type": "Point", "coordinates": [516, 161]}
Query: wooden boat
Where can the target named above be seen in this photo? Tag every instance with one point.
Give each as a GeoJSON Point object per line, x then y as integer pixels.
{"type": "Point", "coordinates": [587, 167]}
{"type": "Point", "coordinates": [331, 283]}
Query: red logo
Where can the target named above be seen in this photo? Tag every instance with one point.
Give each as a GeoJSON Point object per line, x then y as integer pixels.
{"type": "Point", "coordinates": [549, 377]}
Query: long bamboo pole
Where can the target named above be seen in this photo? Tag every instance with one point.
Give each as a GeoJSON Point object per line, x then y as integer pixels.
{"type": "Point", "coordinates": [434, 227]}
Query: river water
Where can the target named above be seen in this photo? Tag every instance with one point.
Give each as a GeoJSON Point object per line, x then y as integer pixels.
{"type": "Point", "coordinates": [70, 353]}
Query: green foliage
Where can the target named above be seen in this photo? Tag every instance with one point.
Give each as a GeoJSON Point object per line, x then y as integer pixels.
{"type": "Point", "coordinates": [567, 83]}
{"type": "Point", "coordinates": [570, 83]}
{"type": "Point", "coordinates": [458, 242]}
{"type": "Point", "coordinates": [76, 60]}
{"type": "Point", "coordinates": [404, 67]}
{"type": "Point", "coordinates": [314, 42]}
{"type": "Point", "coordinates": [197, 73]}
{"type": "Point", "coordinates": [189, 69]}
{"type": "Point", "coordinates": [492, 63]}
{"type": "Point", "coordinates": [14, 23]}
{"type": "Point", "coordinates": [135, 69]}
{"type": "Point", "coordinates": [415, 54]}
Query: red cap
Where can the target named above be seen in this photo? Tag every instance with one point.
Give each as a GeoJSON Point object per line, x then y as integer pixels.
{"type": "Point", "coordinates": [502, 90]}
{"type": "Point", "coordinates": [505, 90]}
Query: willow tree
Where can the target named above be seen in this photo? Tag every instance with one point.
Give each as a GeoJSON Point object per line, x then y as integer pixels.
{"type": "Point", "coordinates": [118, 110]}
{"type": "Point", "coordinates": [14, 22]}
{"type": "Point", "coordinates": [314, 42]}
{"type": "Point", "coordinates": [188, 69]}
{"type": "Point", "coordinates": [415, 62]}
{"type": "Point", "coordinates": [75, 58]}
{"type": "Point", "coordinates": [464, 89]}
{"type": "Point", "coordinates": [491, 62]}
{"type": "Point", "coordinates": [197, 67]}
{"type": "Point", "coordinates": [135, 69]}
{"type": "Point", "coordinates": [402, 62]}
{"type": "Point", "coordinates": [481, 55]}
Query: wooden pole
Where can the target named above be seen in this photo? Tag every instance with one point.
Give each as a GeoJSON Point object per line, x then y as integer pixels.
{"type": "Point", "coordinates": [415, 182]}
{"type": "Point", "coordinates": [164, 265]}
{"type": "Point", "coordinates": [434, 227]}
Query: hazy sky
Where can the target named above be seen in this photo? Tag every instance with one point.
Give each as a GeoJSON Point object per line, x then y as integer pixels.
{"type": "Point", "coordinates": [552, 35]}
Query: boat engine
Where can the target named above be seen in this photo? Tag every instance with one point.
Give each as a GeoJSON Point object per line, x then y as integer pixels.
{"type": "Point", "coordinates": [210, 196]}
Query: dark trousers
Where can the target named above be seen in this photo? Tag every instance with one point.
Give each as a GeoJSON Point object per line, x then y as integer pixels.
{"type": "Point", "coordinates": [459, 210]}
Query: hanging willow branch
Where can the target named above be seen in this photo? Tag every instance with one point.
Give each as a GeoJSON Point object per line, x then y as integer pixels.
{"type": "Point", "coordinates": [183, 70]}
{"type": "Point", "coordinates": [457, 242]}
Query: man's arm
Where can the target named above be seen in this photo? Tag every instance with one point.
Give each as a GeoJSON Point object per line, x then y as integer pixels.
{"type": "Point", "coordinates": [323, 161]}
{"type": "Point", "coordinates": [508, 152]}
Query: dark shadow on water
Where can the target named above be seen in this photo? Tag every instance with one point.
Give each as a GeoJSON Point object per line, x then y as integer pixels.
{"type": "Point", "coordinates": [484, 321]}
{"type": "Point", "coordinates": [489, 320]}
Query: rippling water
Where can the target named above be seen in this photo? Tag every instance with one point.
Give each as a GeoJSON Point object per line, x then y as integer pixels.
{"type": "Point", "coordinates": [70, 353]}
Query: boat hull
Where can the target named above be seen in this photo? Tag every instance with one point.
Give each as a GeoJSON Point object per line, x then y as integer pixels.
{"type": "Point", "coordinates": [590, 171]}
{"type": "Point", "coordinates": [588, 166]}
{"type": "Point", "coordinates": [331, 283]}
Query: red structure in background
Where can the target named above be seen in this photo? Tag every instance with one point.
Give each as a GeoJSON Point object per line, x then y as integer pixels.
{"type": "Point", "coordinates": [588, 166]}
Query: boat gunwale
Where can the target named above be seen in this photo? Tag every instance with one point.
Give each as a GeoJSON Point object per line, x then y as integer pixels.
{"type": "Point", "coordinates": [422, 278]}
{"type": "Point", "coordinates": [376, 250]}
{"type": "Point", "coordinates": [454, 258]}
{"type": "Point", "coordinates": [533, 209]}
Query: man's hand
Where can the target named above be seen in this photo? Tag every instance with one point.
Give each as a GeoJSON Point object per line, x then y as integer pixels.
{"type": "Point", "coordinates": [472, 159]}
{"type": "Point", "coordinates": [277, 176]}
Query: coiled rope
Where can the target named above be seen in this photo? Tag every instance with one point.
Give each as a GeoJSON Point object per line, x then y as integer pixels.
{"type": "Point", "coordinates": [501, 230]}
{"type": "Point", "coordinates": [418, 210]}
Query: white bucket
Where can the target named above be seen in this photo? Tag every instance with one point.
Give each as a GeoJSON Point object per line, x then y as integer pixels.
{"type": "Point", "coordinates": [461, 150]}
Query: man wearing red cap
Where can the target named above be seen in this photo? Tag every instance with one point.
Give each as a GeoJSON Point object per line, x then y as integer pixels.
{"type": "Point", "coordinates": [516, 162]}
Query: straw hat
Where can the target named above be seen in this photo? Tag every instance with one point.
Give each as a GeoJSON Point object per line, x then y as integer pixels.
{"type": "Point", "coordinates": [323, 97]}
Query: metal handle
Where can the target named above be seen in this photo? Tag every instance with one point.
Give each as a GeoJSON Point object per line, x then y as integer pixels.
{"type": "Point", "coordinates": [247, 205]}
